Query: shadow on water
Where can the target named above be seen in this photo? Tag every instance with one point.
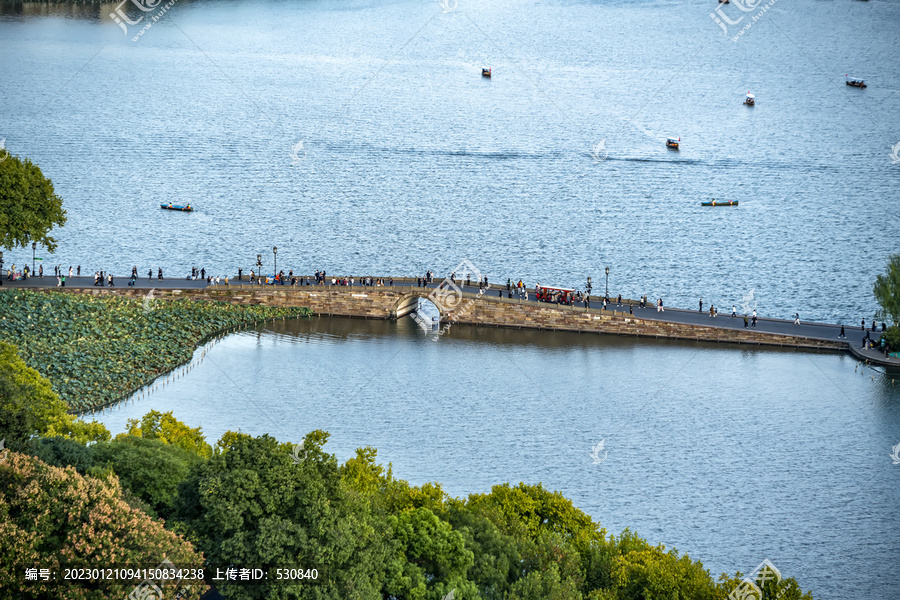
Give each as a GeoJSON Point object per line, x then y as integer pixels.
{"type": "Point", "coordinates": [336, 328]}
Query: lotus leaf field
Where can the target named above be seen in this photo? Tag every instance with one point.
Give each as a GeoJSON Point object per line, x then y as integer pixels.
{"type": "Point", "coordinates": [96, 351]}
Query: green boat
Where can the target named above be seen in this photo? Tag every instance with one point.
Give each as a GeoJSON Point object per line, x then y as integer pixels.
{"type": "Point", "coordinates": [715, 202]}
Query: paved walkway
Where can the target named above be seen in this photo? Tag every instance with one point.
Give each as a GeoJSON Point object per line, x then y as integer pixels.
{"type": "Point", "coordinates": [808, 329]}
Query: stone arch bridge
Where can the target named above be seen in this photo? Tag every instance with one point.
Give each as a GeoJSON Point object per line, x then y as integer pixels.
{"type": "Point", "coordinates": [488, 309]}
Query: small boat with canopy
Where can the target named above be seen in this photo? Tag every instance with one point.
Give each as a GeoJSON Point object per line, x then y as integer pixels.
{"type": "Point", "coordinates": [672, 143]}
{"type": "Point", "coordinates": [855, 82]}
{"type": "Point", "coordinates": [750, 100]}
{"type": "Point", "coordinates": [181, 207]}
{"type": "Point", "coordinates": [485, 71]}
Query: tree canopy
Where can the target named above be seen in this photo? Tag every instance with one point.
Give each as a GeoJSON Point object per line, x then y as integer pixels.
{"type": "Point", "coordinates": [29, 208]}
{"type": "Point", "coordinates": [887, 290]}
{"type": "Point", "coordinates": [148, 468]}
{"type": "Point", "coordinates": [50, 517]}
{"type": "Point", "coordinates": [29, 406]}
{"type": "Point", "coordinates": [169, 430]}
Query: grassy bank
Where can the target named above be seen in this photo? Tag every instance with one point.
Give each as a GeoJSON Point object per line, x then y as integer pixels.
{"type": "Point", "coordinates": [95, 351]}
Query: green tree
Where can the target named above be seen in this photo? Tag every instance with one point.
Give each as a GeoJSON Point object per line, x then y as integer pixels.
{"type": "Point", "coordinates": [149, 468]}
{"type": "Point", "coordinates": [545, 585]}
{"type": "Point", "coordinates": [432, 559]}
{"type": "Point", "coordinates": [29, 208]}
{"type": "Point", "coordinates": [257, 503]}
{"type": "Point", "coordinates": [169, 430]}
{"type": "Point", "coordinates": [58, 451]}
{"type": "Point", "coordinates": [497, 562]}
{"type": "Point", "coordinates": [385, 494]}
{"type": "Point", "coordinates": [655, 573]}
{"type": "Point", "coordinates": [51, 517]}
{"type": "Point", "coordinates": [529, 510]}
{"type": "Point", "coordinates": [29, 407]}
{"type": "Point", "coordinates": [887, 290]}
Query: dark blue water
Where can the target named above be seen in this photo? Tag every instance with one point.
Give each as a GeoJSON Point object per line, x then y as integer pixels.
{"type": "Point", "coordinates": [412, 161]}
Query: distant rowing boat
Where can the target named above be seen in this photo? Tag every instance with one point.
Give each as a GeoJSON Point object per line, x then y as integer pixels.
{"type": "Point", "coordinates": [720, 203]}
{"type": "Point", "coordinates": [184, 208]}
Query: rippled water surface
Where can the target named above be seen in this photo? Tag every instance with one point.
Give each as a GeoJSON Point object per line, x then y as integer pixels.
{"type": "Point", "coordinates": [728, 454]}
{"type": "Point", "coordinates": [412, 161]}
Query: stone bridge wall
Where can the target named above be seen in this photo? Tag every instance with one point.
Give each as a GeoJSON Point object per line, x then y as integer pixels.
{"type": "Point", "coordinates": [387, 303]}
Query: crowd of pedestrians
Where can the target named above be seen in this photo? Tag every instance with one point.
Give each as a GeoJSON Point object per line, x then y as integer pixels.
{"type": "Point", "coordinates": [513, 290]}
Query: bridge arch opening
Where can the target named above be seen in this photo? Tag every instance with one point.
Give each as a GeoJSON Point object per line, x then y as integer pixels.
{"type": "Point", "coordinates": [421, 309]}
{"type": "Point", "coordinates": [426, 314]}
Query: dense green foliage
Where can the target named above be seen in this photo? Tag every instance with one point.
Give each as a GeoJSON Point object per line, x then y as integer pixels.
{"type": "Point", "coordinates": [97, 350]}
{"type": "Point", "coordinates": [50, 517]}
{"type": "Point", "coordinates": [165, 428]}
{"type": "Point", "coordinates": [887, 290]}
{"type": "Point", "coordinates": [29, 407]}
{"type": "Point", "coordinates": [149, 469]}
{"type": "Point", "coordinates": [892, 338]}
{"type": "Point", "coordinates": [263, 504]}
{"type": "Point", "coordinates": [29, 208]}
{"type": "Point", "coordinates": [253, 505]}
{"type": "Point", "coordinates": [257, 502]}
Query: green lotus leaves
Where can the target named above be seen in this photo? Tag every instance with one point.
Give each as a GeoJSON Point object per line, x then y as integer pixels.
{"type": "Point", "coordinates": [98, 350]}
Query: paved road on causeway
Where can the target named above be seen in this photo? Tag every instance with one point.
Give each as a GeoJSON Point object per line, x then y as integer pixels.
{"type": "Point", "coordinates": [724, 320]}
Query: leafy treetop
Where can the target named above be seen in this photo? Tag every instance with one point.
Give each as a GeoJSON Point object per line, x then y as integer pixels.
{"type": "Point", "coordinates": [29, 208]}
{"type": "Point", "coordinates": [887, 290]}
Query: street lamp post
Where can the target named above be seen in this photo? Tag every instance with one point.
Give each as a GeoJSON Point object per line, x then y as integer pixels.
{"type": "Point", "coordinates": [33, 250]}
{"type": "Point", "coordinates": [275, 254]}
{"type": "Point", "coordinates": [607, 282]}
{"type": "Point", "coordinates": [258, 268]}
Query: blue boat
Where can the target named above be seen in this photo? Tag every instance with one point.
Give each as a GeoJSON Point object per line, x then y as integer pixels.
{"type": "Point", "coordinates": [184, 208]}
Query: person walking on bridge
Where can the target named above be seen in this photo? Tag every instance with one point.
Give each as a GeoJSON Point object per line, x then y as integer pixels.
{"type": "Point", "coordinates": [842, 334]}
{"type": "Point", "coordinates": [701, 305]}
{"type": "Point", "coordinates": [733, 311]}
{"type": "Point", "coordinates": [796, 318]}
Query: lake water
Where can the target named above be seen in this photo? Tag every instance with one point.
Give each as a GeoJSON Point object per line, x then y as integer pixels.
{"type": "Point", "coordinates": [412, 161]}
{"type": "Point", "coordinates": [730, 455]}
